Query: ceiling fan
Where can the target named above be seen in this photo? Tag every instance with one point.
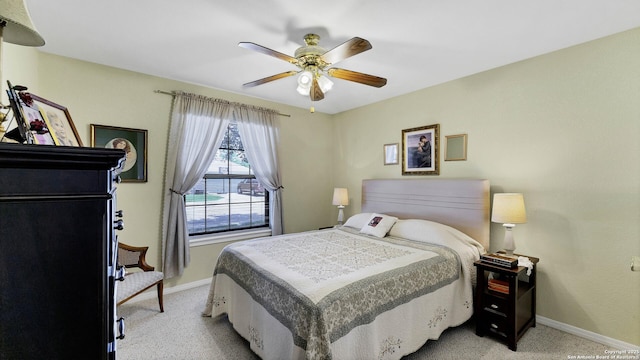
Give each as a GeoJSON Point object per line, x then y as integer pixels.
{"type": "Point", "coordinates": [314, 63]}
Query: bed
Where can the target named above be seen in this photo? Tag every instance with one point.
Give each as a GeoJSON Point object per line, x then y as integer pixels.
{"type": "Point", "coordinates": [395, 275]}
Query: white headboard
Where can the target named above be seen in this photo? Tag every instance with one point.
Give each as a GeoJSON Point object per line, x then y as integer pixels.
{"type": "Point", "coordinates": [460, 203]}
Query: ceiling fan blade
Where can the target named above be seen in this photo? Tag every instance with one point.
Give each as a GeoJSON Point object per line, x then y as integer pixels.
{"type": "Point", "coordinates": [270, 78]}
{"type": "Point", "coordinates": [316, 93]}
{"type": "Point", "coordinates": [357, 77]}
{"type": "Point", "coordinates": [347, 49]}
{"type": "Point", "coordinates": [267, 51]}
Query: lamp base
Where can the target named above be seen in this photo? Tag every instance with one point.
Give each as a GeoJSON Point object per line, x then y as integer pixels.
{"type": "Point", "coordinates": [509, 243]}
{"type": "Point", "coordinates": [340, 214]}
{"type": "Point", "coordinates": [509, 253]}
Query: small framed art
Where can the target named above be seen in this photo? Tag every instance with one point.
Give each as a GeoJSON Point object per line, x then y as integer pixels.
{"type": "Point", "coordinates": [390, 154]}
{"type": "Point", "coordinates": [57, 119]}
{"type": "Point", "coordinates": [456, 147]}
{"type": "Point", "coordinates": [420, 155]}
{"type": "Point", "coordinates": [132, 141]}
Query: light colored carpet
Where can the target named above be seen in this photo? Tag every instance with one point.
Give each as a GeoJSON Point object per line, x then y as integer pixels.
{"type": "Point", "coordinates": [182, 333]}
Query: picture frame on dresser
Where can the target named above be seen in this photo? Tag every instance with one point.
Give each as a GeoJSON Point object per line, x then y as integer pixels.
{"type": "Point", "coordinates": [132, 141]}
{"type": "Point", "coordinates": [39, 121]}
{"type": "Point", "coordinates": [57, 119]}
{"type": "Point", "coordinates": [21, 132]}
{"type": "Point", "coordinates": [420, 154]}
{"type": "Point", "coordinates": [38, 126]}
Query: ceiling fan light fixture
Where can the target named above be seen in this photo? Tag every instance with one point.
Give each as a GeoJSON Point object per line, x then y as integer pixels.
{"type": "Point", "coordinates": [324, 83]}
{"type": "Point", "coordinates": [314, 63]}
{"type": "Point", "coordinates": [304, 82]}
{"type": "Point", "coordinates": [303, 90]}
{"type": "Point", "coordinates": [305, 79]}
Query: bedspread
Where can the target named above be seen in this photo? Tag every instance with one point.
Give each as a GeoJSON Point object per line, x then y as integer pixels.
{"type": "Point", "coordinates": [322, 284]}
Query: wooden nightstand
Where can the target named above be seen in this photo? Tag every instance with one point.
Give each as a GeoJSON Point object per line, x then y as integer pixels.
{"type": "Point", "coordinates": [507, 314]}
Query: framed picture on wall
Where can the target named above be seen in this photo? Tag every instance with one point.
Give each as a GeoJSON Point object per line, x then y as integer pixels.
{"type": "Point", "coordinates": [420, 155]}
{"type": "Point", "coordinates": [455, 147]}
{"type": "Point", "coordinates": [390, 154]}
{"type": "Point", "coordinates": [132, 141]}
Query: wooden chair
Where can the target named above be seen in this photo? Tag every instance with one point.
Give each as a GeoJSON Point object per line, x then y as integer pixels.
{"type": "Point", "coordinates": [135, 282]}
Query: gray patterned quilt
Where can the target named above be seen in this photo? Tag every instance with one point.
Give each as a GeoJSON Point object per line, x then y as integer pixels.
{"type": "Point", "coordinates": [322, 284]}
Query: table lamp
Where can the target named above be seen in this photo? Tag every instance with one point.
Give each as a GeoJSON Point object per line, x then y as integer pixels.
{"type": "Point", "coordinates": [508, 210]}
{"type": "Point", "coordinates": [16, 28]}
{"type": "Point", "coordinates": [340, 198]}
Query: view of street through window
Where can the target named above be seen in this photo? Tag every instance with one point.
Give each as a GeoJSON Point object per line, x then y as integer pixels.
{"type": "Point", "coordinates": [228, 197]}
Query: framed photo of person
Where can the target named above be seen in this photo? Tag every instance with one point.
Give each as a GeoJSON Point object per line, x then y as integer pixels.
{"type": "Point", "coordinates": [57, 119]}
{"type": "Point", "coordinates": [420, 155]}
{"type": "Point", "coordinates": [38, 127]}
{"type": "Point", "coordinates": [132, 141]}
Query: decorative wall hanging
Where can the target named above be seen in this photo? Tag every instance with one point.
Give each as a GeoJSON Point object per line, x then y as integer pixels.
{"type": "Point", "coordinates": [132, 141]}
{"type": "Point", "coordinates": [390, 154]}
{"type": "Point", "coordinates": [420, 155]}
{"type": "Point", "coordinates": [455, 147]}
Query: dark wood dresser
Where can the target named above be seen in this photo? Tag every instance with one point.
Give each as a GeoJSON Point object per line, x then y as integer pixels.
{"type": "Point", "coordinates": [57, 252]}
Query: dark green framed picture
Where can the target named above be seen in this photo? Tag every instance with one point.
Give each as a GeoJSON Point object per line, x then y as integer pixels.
{"type": "Point", "coordinates": [132, 141]}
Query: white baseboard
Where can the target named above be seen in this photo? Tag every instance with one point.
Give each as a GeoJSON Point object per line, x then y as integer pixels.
{"type": "Point", "coordinates": [616, 344]}
{"type": "Point", "coordinates": [152, 294]}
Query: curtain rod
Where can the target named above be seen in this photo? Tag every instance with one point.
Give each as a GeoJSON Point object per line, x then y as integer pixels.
{"type": "Point", "coordinates": [172, 93]}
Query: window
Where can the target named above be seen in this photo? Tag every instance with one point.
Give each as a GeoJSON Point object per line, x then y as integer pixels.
{"type": "Point", "coordinates": [228, 197]}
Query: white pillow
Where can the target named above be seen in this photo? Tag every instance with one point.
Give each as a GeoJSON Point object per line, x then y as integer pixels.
{"type": "Point", "coordinates": [433, 232]}
{"type": "Point", "coordinates": [357, 221]}
{"type": "Point", "coordinates": [378, 225]}
{"type": "Point", "coordinates": [419, 230]}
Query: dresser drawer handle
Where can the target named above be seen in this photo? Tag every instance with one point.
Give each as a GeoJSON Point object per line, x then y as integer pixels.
{"type": "Point", "coordinates": [120, 273]}
{"type": "Point", "coordinates": [494, 306]}
{"type": "Point", "coordinates": [494, 326]}
{"type": "Point", "coordinates": [118, 224]}
{"type": "Point", "coordinates": [120, 329]}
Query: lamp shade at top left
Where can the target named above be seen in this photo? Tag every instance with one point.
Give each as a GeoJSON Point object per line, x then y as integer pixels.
{"type": "Point", "coordinates": [17, 25]}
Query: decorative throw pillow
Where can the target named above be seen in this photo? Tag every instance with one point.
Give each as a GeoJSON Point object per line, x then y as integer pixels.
{"type": "Point", "coordinates": [358, 220]}
{"type": "Point", "coordinates": [378, 225]}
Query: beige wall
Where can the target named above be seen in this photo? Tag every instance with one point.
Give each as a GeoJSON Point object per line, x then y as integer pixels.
{"type": "Point", "coordinates": [96, 94]}
{"type": "Point", "coordinates": [561, 128]}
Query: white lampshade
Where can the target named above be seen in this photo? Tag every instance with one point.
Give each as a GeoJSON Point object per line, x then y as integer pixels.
{"type": "Point", "coordinates": [324, 83]}
{"type": "Point", "coordinates": [305, 81]}
{"type": "Point", "coordinates": [18, 28]}
{"type": "Point", "coordinates": [508, 208]}
{"type": "Point", "coordinates": [340, 197]}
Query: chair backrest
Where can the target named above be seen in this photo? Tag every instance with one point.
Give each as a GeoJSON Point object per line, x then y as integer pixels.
{"type": "Point", "coordinates": [128, 258]}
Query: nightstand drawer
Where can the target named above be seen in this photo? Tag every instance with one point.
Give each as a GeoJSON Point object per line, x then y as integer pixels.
{"type": "Point", "coordinates": [497, 325]}
{"type": "Point", "coordinates": [495, 305]}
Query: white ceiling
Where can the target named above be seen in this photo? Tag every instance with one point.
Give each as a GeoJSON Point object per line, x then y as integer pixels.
{"type": "Point", "coordinates": [416, 43]}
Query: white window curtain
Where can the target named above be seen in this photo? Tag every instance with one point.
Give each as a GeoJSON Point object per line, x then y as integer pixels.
{"type": "Point", "coordinates": [196, 131]}
{"type": "Point", "coordinates": [260, 137]}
